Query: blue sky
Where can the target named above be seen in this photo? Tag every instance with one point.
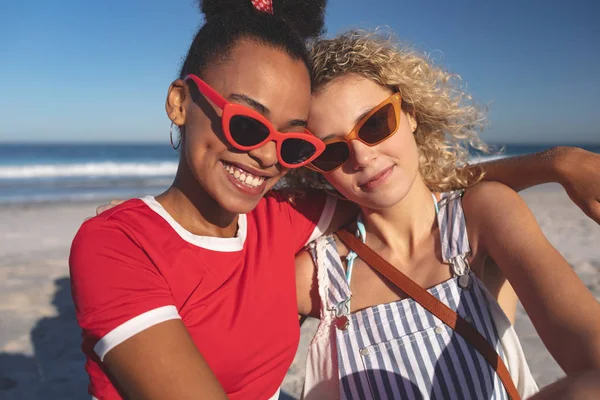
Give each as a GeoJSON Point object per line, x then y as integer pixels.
{"type": "Point", "coordinates": [99, 70]}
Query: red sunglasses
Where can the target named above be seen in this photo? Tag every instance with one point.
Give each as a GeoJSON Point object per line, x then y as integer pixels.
{"type": "Point", "coordinates": [246, 130]}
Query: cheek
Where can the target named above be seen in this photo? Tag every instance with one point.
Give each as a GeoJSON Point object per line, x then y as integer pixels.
{"type": "Point", "coordinates": [200, 141]}
{"type": "Point", "coordinates": [403, 146]}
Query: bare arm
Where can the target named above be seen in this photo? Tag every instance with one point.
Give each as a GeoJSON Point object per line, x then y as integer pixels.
{"type": "Point", "coordinates": [500, 288]}
{"type": "Point", "coordinates": [162, 362]}
{"type": "Point", "coordinates": [577, 170]}
{"type": "Point", "coordinates": [307, 286]}
{"type": "Point", "coordinates": [582, 386]}
{"type": "Point", "coordinates": [564, 312]}
{"type": "Point", "coordinates": [522, 172]}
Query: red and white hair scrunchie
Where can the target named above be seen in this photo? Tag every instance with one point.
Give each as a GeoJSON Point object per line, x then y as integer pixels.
{"type": "Point", "coordinates": [263, 5]}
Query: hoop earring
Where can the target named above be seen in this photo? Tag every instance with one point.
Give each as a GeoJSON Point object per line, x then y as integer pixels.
{"type": "Point", "coordinates": [171, 138]}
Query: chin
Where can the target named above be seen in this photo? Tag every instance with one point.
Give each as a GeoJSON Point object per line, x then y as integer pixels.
{"type": "Point", "coordinates": [239, 205]}
{"type": "Point", "coordinates": [383, 199]}
{"type": "Point", "coordinates": [377, 203]}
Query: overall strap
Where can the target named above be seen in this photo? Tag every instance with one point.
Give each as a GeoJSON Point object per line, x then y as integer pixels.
{"type": "Point", "coordinates": [453, 232]}
{"type": "Point", "coordinates": [434, 306]}
{"type": "Point", "coordinates": [333, 288]}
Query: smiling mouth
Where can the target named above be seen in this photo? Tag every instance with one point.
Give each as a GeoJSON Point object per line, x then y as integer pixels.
{"type": "Point", "coordinates": [375, 180]}
{"type": "Point", "coordinates": [242, 176]}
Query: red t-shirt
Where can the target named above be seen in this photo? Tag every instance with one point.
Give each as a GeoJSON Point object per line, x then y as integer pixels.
{"type": "Point", "coordinates": [134, 266]}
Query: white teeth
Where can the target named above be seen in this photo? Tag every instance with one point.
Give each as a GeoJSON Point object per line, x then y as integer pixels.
{"type": "Point", "coordinates": [243, 176]}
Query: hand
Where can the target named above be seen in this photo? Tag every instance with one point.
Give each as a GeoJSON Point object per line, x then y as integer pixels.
{"type": "Point", "coordinates": [579, 172]}
{"type": "Point", "coordinates": [111, 204]}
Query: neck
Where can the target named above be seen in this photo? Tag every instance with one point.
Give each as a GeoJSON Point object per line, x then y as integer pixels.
{"type": "Point", "coordinates": [194, 209]}
{"type": "Point", "coordinates": [407, 223]}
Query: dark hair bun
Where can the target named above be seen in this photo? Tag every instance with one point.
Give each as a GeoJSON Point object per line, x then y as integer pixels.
{"type": "Point", "coordinates": [217, 9]}
{"type": "Point", "coordinates": [305, 17]}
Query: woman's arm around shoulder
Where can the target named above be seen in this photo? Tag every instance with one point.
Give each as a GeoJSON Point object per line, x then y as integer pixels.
{"type": "Point", "coordinates": [129, 318]}
{"type": "Point", "coordinates": [564, 312]}
{"type": "Point", "coordinates": [576, 169]}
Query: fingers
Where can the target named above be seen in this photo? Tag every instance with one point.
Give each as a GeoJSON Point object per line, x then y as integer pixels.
{"type": "Point", "coordinates": [593, 211]}
{"type": "Point", "coordinates": [102, 208]}
{"type": "Point", "coordinates": [111, 204]}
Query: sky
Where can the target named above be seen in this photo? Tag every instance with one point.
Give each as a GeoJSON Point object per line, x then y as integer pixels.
{"type": "Point", "coordinates": [98, 71]}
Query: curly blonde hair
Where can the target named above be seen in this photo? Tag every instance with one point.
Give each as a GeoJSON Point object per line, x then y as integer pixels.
{"type": "Point", "coordinates": [448, 121]}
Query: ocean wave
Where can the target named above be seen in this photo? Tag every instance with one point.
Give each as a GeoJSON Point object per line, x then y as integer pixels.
{"type": "Point", "coordinates": [99, 169]}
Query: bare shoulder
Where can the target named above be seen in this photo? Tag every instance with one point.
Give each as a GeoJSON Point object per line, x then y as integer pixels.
{"type": "Point", "coordinates": [489, 194]}
{"type": "Point", "coordinates": [492, 208]}
{"type": "Point", "coordinates": [486, 202]}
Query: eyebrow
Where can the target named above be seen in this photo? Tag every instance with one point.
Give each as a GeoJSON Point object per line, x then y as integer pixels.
{"type": "Point", "coordinates": [250, 102]}
{"type": "Point", "coordinates": [264, 110]}
{"type": "Point", "coordinates": [361, 116]}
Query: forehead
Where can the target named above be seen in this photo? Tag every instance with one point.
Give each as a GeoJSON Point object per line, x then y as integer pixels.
{"type": "Point", "coordinates": [264, 73]}
{"type": "Point", "coordinates": [335, 107]}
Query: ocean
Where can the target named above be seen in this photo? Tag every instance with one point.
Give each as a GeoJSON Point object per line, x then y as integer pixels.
{"type": "Point", "coordinates": [34, 173]}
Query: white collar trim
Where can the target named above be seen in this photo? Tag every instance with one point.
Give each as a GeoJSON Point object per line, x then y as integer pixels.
{"type": "Point", "coordinates": [233, 244]}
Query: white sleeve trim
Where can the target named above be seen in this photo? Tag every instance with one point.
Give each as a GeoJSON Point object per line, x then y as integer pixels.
{"type": "Point", "coordinates": [325, 219]}
{"type": "Point", "coordinates": [276, 395]}
{"type": "Point", "coordinates": [132, 327]}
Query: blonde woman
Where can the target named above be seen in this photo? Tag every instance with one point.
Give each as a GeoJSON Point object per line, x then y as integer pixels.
{"type": "Point", "coordinates": [397, 131]}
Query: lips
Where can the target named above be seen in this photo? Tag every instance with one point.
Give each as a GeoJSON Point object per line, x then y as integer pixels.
{"type": "Point", "coordinates": [377, 179]}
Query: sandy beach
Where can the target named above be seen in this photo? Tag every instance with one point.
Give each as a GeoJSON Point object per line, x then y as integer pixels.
{"type": "Point", "coordinates": [40, 340]}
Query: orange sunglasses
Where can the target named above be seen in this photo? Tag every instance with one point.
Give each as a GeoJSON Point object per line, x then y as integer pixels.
{"type": "Point", "coordinates": [378, 125]}
{"type": "Point", "coordinates": [246, 130]}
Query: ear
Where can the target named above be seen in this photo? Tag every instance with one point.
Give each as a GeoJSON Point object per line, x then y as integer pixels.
{"type": "Point", "coordinates": [412, 120]}
{"type": "Point", "coordinates": [177, 99]}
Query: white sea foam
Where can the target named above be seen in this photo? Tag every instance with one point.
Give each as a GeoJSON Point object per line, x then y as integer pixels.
{"type": "Point", "coordinates": [96, 169]}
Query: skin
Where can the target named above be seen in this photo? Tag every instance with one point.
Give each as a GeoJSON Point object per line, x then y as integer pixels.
{"type": "Point", "coordinates": [582, 386]}
{"type": "Point", "coordinates": [507, 244]}
{"type": "Point", "coordinates": [574, 168]}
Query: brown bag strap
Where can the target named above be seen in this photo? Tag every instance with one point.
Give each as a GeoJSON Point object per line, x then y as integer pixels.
{"type": "Point", "coordinates": [434, 306]}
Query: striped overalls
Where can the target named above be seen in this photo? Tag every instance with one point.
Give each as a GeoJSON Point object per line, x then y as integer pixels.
{"type": "Point", "coordinates": [401, 351]}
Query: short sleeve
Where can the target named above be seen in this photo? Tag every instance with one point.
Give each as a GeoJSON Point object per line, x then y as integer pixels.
{"type": "Point", "coordinates": [117, 290]}
{"type": "Point", "coordinates": [310, 215]}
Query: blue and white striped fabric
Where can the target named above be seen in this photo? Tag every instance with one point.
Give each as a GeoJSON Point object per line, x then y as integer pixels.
{"type": "Point", "coordinates": [400, 350]}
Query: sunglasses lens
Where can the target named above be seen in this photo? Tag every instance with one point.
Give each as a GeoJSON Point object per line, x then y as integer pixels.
{"type": "Point", "coordinates": [335, 154]}
{"type": "Point", "coordinates": [295, 151]}
{"type": "Point", "coordinates": [247, 131]}
{"type": "Point", "coordinates": [380, 125]}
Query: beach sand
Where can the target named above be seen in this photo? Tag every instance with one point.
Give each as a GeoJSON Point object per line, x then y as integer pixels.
{"type": "Point", "coordinates": [40, 340]}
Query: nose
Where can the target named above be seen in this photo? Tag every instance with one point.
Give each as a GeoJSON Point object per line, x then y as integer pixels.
{"type": "Point", "coordinates": [266, 155]}
{"type": "Point", "coordinates": [361, 155]}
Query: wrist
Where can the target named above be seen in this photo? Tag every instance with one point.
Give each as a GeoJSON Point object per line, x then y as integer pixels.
{"type": "Point", "coordinates": [561, 160]}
